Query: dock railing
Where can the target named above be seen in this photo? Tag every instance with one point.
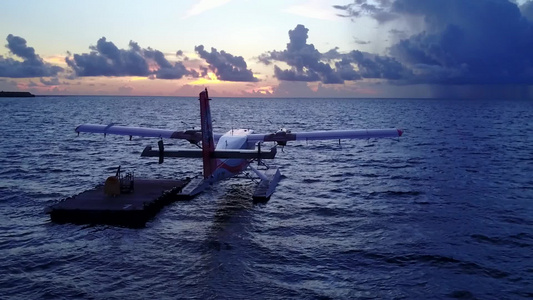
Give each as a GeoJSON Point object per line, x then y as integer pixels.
{"type": "Point", "coordinates": [127, 181]}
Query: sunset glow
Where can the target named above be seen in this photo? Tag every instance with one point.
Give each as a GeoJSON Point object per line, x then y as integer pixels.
{"type": "Point", "coordinates": [211, 79]}
{"type": "Point", "coordinates": [308, 48]}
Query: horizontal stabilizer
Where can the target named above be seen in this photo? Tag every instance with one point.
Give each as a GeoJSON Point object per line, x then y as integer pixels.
{"type": "Point", "coordinates": [197, 153]}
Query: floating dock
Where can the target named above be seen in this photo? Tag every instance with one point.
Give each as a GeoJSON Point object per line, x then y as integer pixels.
{"type": "Point", "coordinates": [131, 209]}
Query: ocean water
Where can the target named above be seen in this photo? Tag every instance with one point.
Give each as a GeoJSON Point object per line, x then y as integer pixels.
{"type": "Point", "coordinates": [446, 211]}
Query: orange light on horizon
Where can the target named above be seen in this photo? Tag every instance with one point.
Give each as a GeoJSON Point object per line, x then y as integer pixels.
{"type": "Point", "coordinates": [212, 79]}
{"type": "Point", "coordinates": [137, 78]}
{"type": "Point", "coordinates": [263, 90]}
{"type": "Point", "coordinates": [56, 60]}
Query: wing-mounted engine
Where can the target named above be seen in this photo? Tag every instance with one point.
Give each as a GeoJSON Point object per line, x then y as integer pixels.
{"type": "Point", "coordinates": [192, 136]}
{"type": "Point", "coordinates": [280, 137]}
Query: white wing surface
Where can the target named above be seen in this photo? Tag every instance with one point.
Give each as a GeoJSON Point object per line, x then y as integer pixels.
{"type": "Point", "coordinates": [285, 136]}
{"type": "Point", "coordinates": [124, 130]}
{"type": "Point", "coordinates": [193, 136]}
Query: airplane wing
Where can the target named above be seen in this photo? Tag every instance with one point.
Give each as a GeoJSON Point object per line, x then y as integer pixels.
{"type": "Point", "coordinates": [193, 136]}
{"type": "Point", "coordinates": [283, 136]}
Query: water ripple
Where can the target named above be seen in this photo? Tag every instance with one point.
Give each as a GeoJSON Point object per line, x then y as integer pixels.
{"type": "Point", "coordinates": [442, 213]}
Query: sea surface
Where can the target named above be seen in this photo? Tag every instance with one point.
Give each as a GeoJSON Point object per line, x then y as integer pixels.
{"type": "Point", "coordinates": [445, 211]}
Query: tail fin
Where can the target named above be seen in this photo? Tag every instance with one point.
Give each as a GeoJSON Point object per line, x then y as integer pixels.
{"type": "Point", "coordinates": [208, 144]}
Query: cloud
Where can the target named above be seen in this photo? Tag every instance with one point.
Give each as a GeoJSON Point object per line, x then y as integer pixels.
{"type": "Point", "coordinates": [203, 6]}
{"type": "Point", "coordinates": [527, 10]}
{"type": "Point", "coordinates": [106, 59]}
{"type": "Point", "coordinates": [304, 59]}
{"type": "Point", "coordinates": [291, 89]}
{"type": "Point", "coordinates": [225, 66]}
{"type": "Point", "coordinates": [52, 81]}
{"type": "Point", "coordinates": [8, 85]}
{"type": "Point", "coordinates": [378, 9]}
{"type": "Point", "coordinates": [309, 65]}
{"type": "Point", "coordinates": [463, 42]}
{"type": "Point", "coordinates": [360, 42]}
{"type": "Point", "coordinates": [376, 66]}
{"type": "Point", "coordinates": [32, 65]}
{"type": "Point", "coordinates": [167, 70]}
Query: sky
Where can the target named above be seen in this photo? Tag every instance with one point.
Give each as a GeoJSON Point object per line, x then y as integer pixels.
{"type": "Point", "coordinates": [274, 48]}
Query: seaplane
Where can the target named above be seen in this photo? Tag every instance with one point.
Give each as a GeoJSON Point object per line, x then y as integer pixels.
{"type": "Point", "coordinates": [226, 155]}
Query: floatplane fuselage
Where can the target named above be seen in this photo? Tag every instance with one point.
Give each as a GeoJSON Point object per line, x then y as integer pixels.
{"type": "Point", "coordinates": [229, 154]}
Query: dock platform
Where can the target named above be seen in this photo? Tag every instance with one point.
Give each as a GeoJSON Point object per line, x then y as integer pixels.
{"type": "Point", "coordinates": [131, 209]}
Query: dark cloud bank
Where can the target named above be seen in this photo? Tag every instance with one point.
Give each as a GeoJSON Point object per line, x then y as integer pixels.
{"type": "Point", "coordinates": [481, 44]}
{"type": "Point", "coordinates": [464, 42]}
